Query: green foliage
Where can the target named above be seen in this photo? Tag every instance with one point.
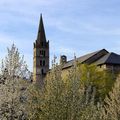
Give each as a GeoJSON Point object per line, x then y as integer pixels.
{"type": "Point", "coordinates": [79, 97]}
{"type": "Point", "coordinates": [112, 103]}
{"type": "Point", "coordinates": [60, 100]}
{"type": "Point", "coordinates": [100, 79]}
{"type": "Point", "coordinates": [91, 112]}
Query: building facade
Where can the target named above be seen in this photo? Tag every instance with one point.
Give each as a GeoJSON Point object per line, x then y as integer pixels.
{"type": "Point", "coordinates": [102, 58]}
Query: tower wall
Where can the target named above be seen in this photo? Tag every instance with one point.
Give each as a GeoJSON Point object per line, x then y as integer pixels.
{"type": "Point", "coordinates": [41, 56]}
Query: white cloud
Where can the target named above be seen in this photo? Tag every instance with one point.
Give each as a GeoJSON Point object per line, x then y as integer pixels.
{"type": "Point", "coordinates": [78, 20]}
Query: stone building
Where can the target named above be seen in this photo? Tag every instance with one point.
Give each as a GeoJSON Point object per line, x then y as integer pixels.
{"type": "Point", "coordinates": [41, 55]}
{"type": "Point", "coordinates": [102, 58]}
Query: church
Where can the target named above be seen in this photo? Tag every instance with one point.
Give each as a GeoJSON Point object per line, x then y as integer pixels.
{"type": "Point", "coordinates": [102, 58]}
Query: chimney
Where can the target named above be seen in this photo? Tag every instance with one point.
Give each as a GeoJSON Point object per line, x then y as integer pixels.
{"type": "Point", "coordinates": [63, 59]}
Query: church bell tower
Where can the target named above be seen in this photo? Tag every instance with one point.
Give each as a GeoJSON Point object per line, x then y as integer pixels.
{"type": "Point", "coordinates": [41, 55]}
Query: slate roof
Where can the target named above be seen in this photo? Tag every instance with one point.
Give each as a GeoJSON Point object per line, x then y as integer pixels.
{"type": "Point", "coordinates": [82, 58]}
{"type": "Point", "coordinates": [87, 56]}
{"type": "Point", "coordinates": [110, 58]}
{"type": "Point", "coordinates": [41, 37]}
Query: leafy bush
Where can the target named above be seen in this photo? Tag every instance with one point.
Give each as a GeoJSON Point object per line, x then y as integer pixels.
{"type": "Point", "coordinates": [62, 100]}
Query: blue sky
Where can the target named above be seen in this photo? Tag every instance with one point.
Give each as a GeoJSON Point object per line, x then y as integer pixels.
{"type": "Point", "coordinates": [72, 26]}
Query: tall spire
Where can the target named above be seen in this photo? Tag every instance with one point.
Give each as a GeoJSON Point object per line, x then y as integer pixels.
{"type": "Point", "coordinates": [41, 31]}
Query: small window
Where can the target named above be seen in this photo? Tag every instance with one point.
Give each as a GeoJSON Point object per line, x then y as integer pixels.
{"type": "Point", "coordinates": [43, 62]}
{"type": "Point", "coordinates": [40, 52]}
{"type": "Point", "coordinates": [40, 62]}
{"type": "Point", "coordinates": [42, 71]}
{"type": "Point", "coordinates": [44, 53]}
{"type": "Point", "coordinates": [42, 44]}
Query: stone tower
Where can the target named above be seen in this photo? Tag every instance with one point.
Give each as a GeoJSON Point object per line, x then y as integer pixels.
{"type": "Point", "coordinates": [41, 55]}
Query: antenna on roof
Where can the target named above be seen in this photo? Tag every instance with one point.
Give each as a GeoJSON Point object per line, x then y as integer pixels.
{"type": "Point", "coordinates": [74, 56]}
{"type": "Point", "coordinates": [75, 60]}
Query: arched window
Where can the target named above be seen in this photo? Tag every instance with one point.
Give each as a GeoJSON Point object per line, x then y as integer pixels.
{"type": "Point", "coordinates": [43, 62]}
{"type": "Point", "coordinates": [40, 62]}
{"type": "Point", "coordinates": [40, 52]}
{"type": "Point", "coordinates": [44, 53]}
{"type": "Point", "coordinates": [42, 71]}
{"type": "Point", "coordinates": [42, 44]}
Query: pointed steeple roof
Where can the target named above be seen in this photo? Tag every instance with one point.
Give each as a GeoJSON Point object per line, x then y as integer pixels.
{"type": "Point", "coordinates": [41, 31]}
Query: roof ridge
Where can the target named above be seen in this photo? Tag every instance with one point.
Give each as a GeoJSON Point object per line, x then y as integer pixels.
{"type": "Point", "coordinates": [87, 54]}
{"type": "Point", "coordinates": [109, 58]}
